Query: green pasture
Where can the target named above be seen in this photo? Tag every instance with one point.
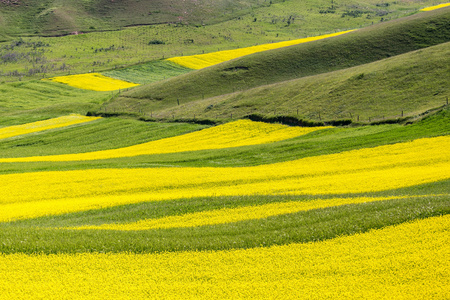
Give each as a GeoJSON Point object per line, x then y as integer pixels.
{"type": "Point", "coordinates": [144, 73]}
{"type": "Point", "coordinates": [26, 54]}
{"type": "Point", "coordinates": [380, 89]}
{"type": "Point", "coordinates": [26, 101]}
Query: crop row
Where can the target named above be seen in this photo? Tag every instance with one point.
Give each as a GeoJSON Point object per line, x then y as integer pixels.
{"type": "Point", "coordinates": [430, 8]}
{"type": "Point", "coordinates": [408, 261]}
{"type": "Point", "coordinates": [234, 134]}
{"type": "Point", "coordinates": [59, 122]}
{"type": "Point", "coordinates": [231, 215]}
{"type": "Point", "coordinates": [201, 61]}
{"type": "Point", "coordinates": [366, 170]}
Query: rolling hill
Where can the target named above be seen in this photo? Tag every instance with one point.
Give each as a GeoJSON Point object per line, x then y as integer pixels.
{"type": "Point", "coordinates": [192, 93]}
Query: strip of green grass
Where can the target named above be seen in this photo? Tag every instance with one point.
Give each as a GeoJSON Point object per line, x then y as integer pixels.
{"type": "Point", "coordinates": [321, 142]}
{"type": "Point", "coordinates": [45, 98]}
{"type": "Point", "coordinates": [105, 133]}
{"type": "Point", "coordinates": [148, 72]}
{"type": "Point", "coordinates": [314, 225]}
{"type": "Point", "coordinates": [158, 209]}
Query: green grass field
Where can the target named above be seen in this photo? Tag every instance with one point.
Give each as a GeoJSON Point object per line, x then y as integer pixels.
{"type": "Point", "coordinates": [198, 91]}
{"type": "Point", "coordinates": [29, 56]}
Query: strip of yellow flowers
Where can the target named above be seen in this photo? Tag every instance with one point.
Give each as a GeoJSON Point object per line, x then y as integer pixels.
{"type": "Point", "coordinates": [234, 134]}
{"type": "Point", "coordinates": [387, 167]}
{"type": "Point", "coordinates": [205, 60]}
{"type": "Point", "coordinates": [230, 215]}
{"type": "Point", "coordinates": [64, 121]}
{"type": "Point", "coordinates": [408, 261]}
{"type": "Point", "coordinates": [94, 82]}
{"type": "Point", "coordinates": [435, 7]}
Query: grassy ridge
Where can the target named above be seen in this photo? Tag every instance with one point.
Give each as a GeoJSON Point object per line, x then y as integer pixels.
{"type": "Point", "coordinates": [387, 89]}
{"type": "Point", "coordinates": [45, 98]}
{"type": "Point", "coordinates": [356, 48]}
{"type": "Point", "coordinates": [106, 133]}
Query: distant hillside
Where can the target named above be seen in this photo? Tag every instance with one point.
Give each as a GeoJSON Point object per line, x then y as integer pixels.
{"type": "Point", "coordinates": [54, 17]}
{"type": "Point", "coordinates": [363, 46]}
{"type": "Point", "coordinates": [64, 16]}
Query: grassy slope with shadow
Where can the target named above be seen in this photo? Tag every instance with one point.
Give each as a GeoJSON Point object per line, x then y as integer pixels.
{"type": "Point", "coordinates": [356, 48]}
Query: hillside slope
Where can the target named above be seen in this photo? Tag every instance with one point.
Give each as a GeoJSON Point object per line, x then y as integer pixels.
{"type": "Point", "coordinates": [407, 84]}
{"type": "Point", "coordinates": [54, 17]}
{"type": "Point", "coordinates": [64, 16]}
{"type": "Point", "coordinates": [363, 46]}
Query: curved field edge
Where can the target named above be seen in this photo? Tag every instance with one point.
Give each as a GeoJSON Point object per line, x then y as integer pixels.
{"type": "Point", "coordinates": [118, 133]}
{"type": "Point", "coordinates": [104, 134]}
{"type": "Point", "coordinates": [304, 226]}
{"type": "Point", "coordinates": [201, 61]}
{"type": "Point", "coordinates": [357, 171]}
{"type": "Point", "coordinates": [233, 134]}
{"type": "Point", "coordinates": [377, 264]}
{"type": "Point", "coordinates": [430, 8]}
{"type": "Point", "coordinates": [12, 131]}
{"type": "Point", "coordinates": [232, 215]}
{"type": "Point", "coordinates": [94, 82]}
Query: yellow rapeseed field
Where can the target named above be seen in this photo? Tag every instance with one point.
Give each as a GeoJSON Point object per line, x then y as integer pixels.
{"type": "Point", "coordinates": [435, 7]}
{"type": "Point", "coordinates": [230, 215]}
{"type": "Point", "coordinates": [205, 60]}
{"type": "Point", "coordinates": [408, 261]}
{"type": "Point", "coordinates": [234, 134]}
{"type": "Point", "coordinates": [94, 82]}
{"type": "Point", "coordinates": [380, 168]}
{"type": "Point", "coordinates": [59, 122]}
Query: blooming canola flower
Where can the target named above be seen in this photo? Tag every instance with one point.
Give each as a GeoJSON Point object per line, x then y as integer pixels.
{"type": "Point", "coordinates": [201, 61]}
{"type": "Point", "coordinates": [234, 134]}
{"type": "Point", "coordinates": [94, 82]}
{"type": "Point", "coordinates": [380, 168]}
{"type": "Point", "coordinates": [407, 261]}
{"type": "Point", "coordinates": [59, 122]}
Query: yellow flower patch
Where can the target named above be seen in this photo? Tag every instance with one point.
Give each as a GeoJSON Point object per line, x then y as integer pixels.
{"type": "Point", "coordinates": [205, 60]}
{"type": "Point", "coordinates": [435, 7]}
{"type": "Point", "coordinates": [59, 122]}
{"type": "Point", "coordinates": [234, 134]}
{"type": "Point", "coordinates": [408, 261]}
{"type": "Point", "coordinates": [94, 82]}
{"type": "Point", "coordinates": [30, 195]}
